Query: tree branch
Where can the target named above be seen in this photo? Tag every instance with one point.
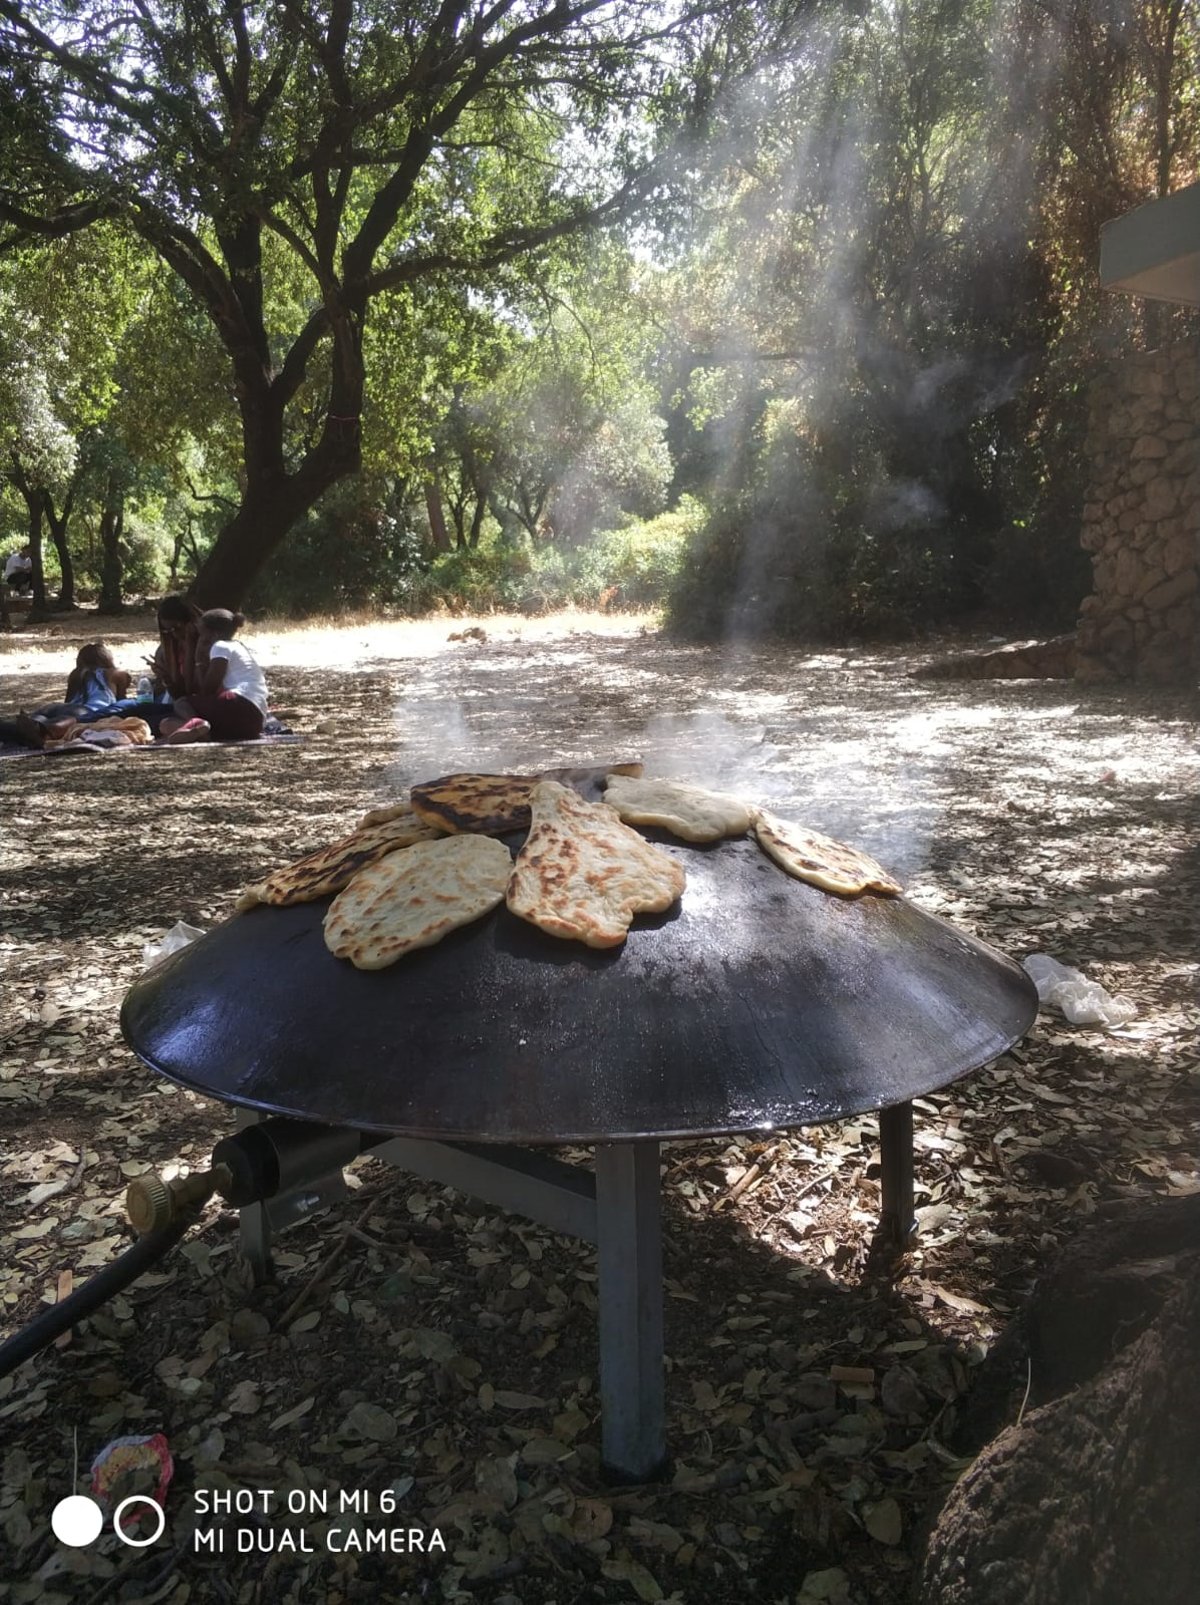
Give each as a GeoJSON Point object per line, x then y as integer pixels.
{"type": "Point", "coordinates": [197, 496]}
{"type": "Point", "coordinates": [503, 248]}
{"type": "Point", "coordinates": [67, 221]}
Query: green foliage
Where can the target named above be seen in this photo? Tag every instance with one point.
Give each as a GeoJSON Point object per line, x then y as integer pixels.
{"type": "Point", "coordinates": [859, 326]}
{"type": "Point", "coordinates": [556, 430]}
{"type": "Point", "coordinates": [300, 175]}
{"type": "Point", "coordinates": [889, 278]}
{"type": "Point", "coordinates": [639, 562]}
{"type": "Point", "coordinates": [347, 555]}
{"type": "Point", "coordinates": [631, 567]}
{"type": "Point", "coordinates": [145, 558]}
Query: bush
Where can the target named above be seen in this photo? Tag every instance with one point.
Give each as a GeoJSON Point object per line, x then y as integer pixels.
{"type": "Point", "coordinates": [486, 580]}
{"type": "Point", "coordinates": [145, 565]}
{"type": "Point", "coordinates": [343, 557]}
{"type": "Point", "coordinates": [755, 566]}
{"type": "Point", "coordinates": [1037, 578]}
{"type": "Point", "coordinates": [630, 567]}
{"type": "Point", "coordinates": [640, 563]}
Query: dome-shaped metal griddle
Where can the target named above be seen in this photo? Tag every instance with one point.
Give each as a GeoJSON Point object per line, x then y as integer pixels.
{"type": "Point", "coordinates": [757, 1002]}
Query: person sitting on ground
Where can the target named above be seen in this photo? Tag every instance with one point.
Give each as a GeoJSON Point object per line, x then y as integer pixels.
{"type": "Point", "coordinates": [18, 571]}
{"type": "Point", "coordinates": [174, 661]}
{"type": "Point", "coordinates": [230, 702]}
{"type": "Point", "coordinates": [96, 689]}
{"type": "Point", "coordinates": [95, 682]}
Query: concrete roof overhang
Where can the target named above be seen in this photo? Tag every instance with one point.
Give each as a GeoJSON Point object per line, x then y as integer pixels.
{"type": "Point", "coordinates": [1155, 250]}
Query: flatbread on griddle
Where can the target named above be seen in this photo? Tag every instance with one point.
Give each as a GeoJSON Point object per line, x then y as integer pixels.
{"type": "Point", "coordinates": [691, 812]}
{"type": "Point", "coordinates": [582, 874]}
{"type": "Point", "coordinates": [588, 779]}
{"type": "Point", "coordinates": [483, 805]}
{"type": "Point", "coordinates": [414, 898]}
{"type": "Point", "coordinates": [384, 815]}
{"type": "Point", "coordinates": [831, 865]}
{"type": "Point", "coordinates": [494, 805]}
{"type": "Point", "coordinates": [330, 868]}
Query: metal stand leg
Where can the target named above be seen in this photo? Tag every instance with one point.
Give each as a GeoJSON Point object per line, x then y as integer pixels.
{"type": "Point", "coordinates": [253, 1225]}
{"type": "Point", "coordinates": [631, 1310]}
{"type": "Point", "coordinates": [896, 1182]}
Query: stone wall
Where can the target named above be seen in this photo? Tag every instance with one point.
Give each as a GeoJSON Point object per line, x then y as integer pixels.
{"type": "Point", "coordinates": [1141, 522]}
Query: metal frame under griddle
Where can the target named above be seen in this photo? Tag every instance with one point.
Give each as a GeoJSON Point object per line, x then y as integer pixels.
{"type": "Point", "coordinates": [617, 1206]}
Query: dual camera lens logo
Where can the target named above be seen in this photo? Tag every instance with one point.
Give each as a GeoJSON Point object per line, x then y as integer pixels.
{"type": "Point", "coordinates": [78, 1521]}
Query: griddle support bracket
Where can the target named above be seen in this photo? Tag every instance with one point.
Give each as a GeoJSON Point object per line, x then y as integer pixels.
{"type": "Point", "coordinates": [543, 1189]}
{"type": "Point", "coordinates": [632, 1397]}
{"type": "Point", "coordinates": [306, 1165]}
{"type": "Point", "coordinates": [896, 1179]}
{"type": "Point", "coordinates": [254, 1228]}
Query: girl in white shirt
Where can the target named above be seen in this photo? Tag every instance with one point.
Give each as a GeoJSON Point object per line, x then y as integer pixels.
{"type": "Point", "coordinates": [230, 700]}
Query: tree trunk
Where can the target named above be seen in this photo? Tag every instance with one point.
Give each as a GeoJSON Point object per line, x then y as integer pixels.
{"type": "Point", "coordinates": [58, 534]}
{"type": "Point", "coordinates": [240, 551]}
{"type": "Point", "coordinates": [273, 499]}
{"type": "Point", "coordinates": [112, 527]}
{"type": "Point", "coordinates": [32, 497]}
{"type": "Point", "coordinates": [437, 517]}
{"type": "Point", "coordinates": [477, 522]}
{"type": "Point", "coordinates": [458, 512]}
{"type": "Point", "coordinates": [1093, 1495]}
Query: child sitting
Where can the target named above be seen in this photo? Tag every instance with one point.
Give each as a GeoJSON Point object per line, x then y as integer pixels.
{"type": "Point", "coordinates": [96, 689]}
{"type": "Point", "coordinates": [95, 683]}
{"type": "Point", "coordinates": [230, 699]}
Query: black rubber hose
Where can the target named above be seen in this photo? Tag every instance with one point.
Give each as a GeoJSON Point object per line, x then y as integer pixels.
{"type": "Point", "coordinates": [113, 1279]}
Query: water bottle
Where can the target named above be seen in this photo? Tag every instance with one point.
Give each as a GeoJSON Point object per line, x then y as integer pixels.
{"type": "Point", "coordinates": [145, 689]}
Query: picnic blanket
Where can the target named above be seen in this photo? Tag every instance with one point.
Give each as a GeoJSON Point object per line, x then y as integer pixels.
{"type": "Point", "coordinates": [274, 733]}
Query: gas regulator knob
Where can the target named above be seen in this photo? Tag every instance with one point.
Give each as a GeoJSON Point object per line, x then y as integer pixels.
{"type": "Point", "coordinates": [149, 1204]}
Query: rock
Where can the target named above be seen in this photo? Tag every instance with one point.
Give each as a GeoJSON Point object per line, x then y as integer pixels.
{"type": "Point", "coordinates": [1162, 498]}
{"type": "Point", "coordinates": [1149, 446]}
{"type": "Point", "coordinates": [1093, 1496]}
{"type": "Point", "coordinates": [900, 1393]}
{"type": "Point", "coordinates": [1128, 572]}
{"type": "Point", "coordinates": [1173, 590]}
{"type": "Point", "coordinates": [1179, 553]}
{"type": "Point", "coordinates": [1022, 660]}
{"type": "Point", "coordinates": [1142, 519]}
{"type": "Point", "coordinates": [1146, 380]}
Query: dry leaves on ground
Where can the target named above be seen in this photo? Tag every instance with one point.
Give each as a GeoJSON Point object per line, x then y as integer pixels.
{"type": "Point", "coordinates": [440, 1356]}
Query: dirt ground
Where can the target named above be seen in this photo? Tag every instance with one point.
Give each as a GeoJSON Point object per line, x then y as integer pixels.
{"type": "Point", "coordinates": [441, 1355]}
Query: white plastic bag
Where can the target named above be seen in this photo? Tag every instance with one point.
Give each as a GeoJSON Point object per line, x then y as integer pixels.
{"type": "Point", "coordinates": [180, 935]}
{"type": "Point", "coordinates": [1083, 1002]}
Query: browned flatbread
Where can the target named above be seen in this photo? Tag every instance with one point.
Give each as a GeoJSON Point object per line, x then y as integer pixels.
{"type": "Point", "coordinates": [831, 865]}
{"type": "Point", "coordinates": [478, 805]}
{"type": "Point", "coordinates": [414, 898]}
{"type": "Point", "coordinates": [330, 868]}
{"type": "Point", "coordinates": [582, 874]}
{"type": "Point", "coordinates": [493, 805]}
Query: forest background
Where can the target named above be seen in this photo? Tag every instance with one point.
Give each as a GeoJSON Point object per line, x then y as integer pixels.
{"type": "Point", "coordinates": [782, 316]}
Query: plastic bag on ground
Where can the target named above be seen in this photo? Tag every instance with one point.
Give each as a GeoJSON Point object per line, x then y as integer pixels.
{"type": "Point", "coordinates": [137, 1467]}
{"type": "Point", "coordinates": [180, 935]}
{"type": "Point", "coordinates": [1081, 1001]}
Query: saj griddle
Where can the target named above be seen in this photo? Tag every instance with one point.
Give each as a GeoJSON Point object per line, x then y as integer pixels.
{"type": "Point", "coordinates": [758, 1003]}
